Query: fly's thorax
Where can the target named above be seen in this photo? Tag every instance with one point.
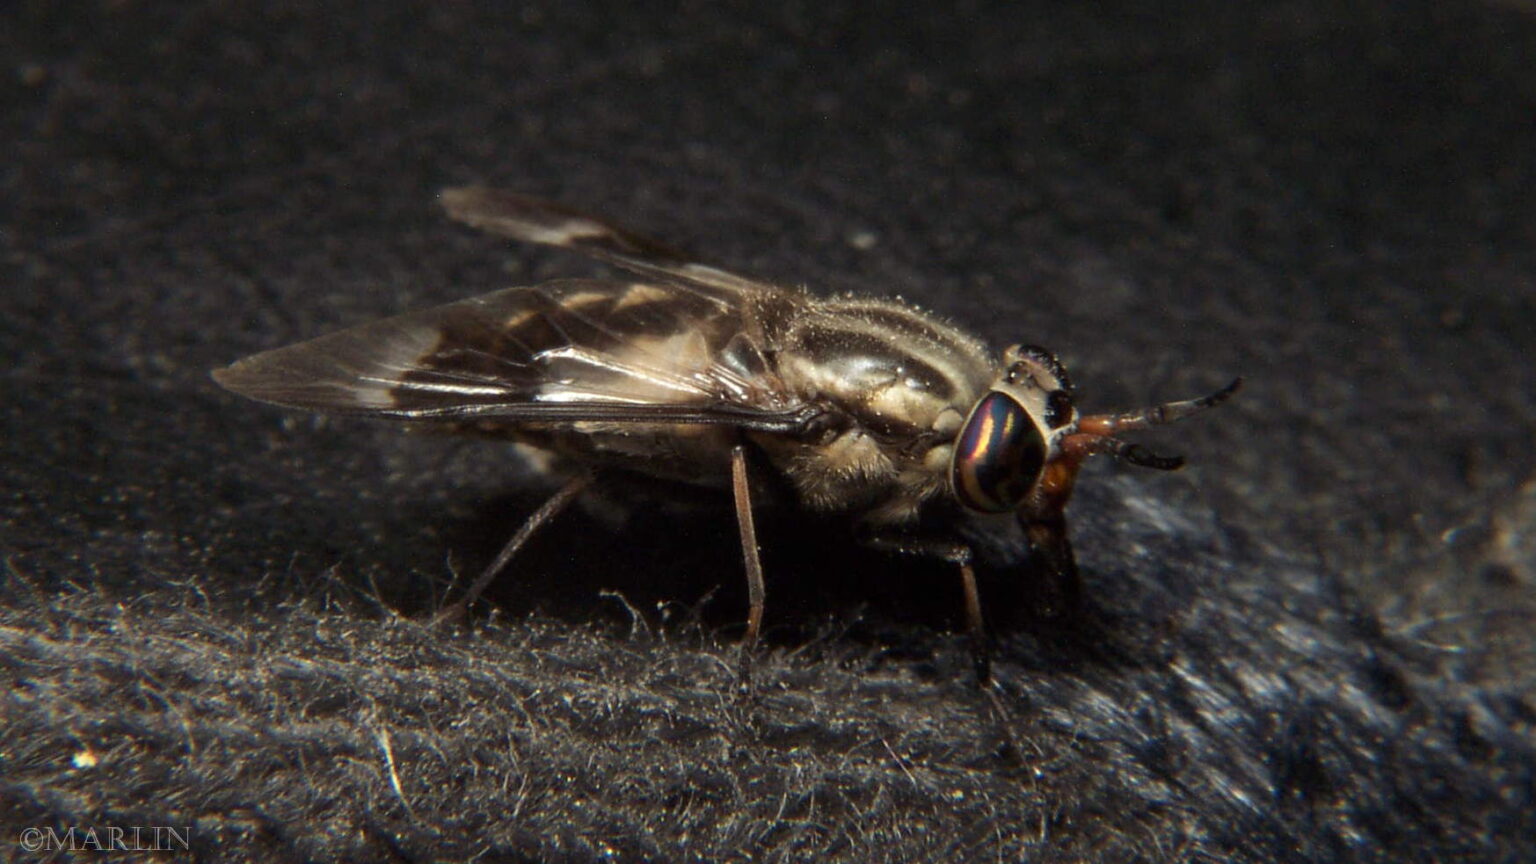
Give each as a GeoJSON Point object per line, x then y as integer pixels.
{"type": "Point", "coordinates": [893, 369]}
{"type": "Point", "coordinates": [896, 384]}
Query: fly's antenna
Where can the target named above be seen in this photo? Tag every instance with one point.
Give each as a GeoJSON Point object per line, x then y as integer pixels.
{"type": "Point", "coordinates": [1104, 425]}
{"type": "Point", "coordinates": [1097, 433]}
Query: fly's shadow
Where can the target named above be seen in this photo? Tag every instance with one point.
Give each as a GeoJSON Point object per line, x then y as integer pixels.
{"type": "Point", "coordinates": [671, 552]}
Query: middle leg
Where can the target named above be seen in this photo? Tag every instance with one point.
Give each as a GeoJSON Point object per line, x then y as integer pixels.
{"type": "Point", "coordinates": [960, 555]}
{"type": "Point", "coordinates": [742, 491]}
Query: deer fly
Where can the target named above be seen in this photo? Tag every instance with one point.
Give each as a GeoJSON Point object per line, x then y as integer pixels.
{"type": "Point", "coordinates": [866, 407]}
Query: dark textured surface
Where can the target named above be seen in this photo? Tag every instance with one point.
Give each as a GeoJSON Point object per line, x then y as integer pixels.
{"type": "Point", "coordinates": [1313, 644]}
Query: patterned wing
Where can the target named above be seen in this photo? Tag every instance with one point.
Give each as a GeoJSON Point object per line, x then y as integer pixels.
{"type": "Point", "coordinates": [566, 351]}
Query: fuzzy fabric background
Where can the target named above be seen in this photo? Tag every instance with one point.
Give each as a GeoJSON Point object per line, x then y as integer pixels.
{"type": "Point", "coordinates": [1314, 644]}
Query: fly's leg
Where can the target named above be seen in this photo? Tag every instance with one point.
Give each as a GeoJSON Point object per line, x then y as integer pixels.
{"type": "Point", "coordinates": [741, 489]}
{"type": "Point", "coordinates": [1060, 591]}
{"type": "Point", "coordinates": [1043, 519]}
{"type": "Point", "coordinates": [541, 517]}
{"type": "Point", "coordinates": [960, 555]}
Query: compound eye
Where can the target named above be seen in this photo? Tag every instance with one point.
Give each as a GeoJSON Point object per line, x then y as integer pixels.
{"type": "Point", "coordinates": [998, 456]}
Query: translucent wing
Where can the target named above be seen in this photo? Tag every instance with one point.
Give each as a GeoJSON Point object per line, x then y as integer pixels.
{"type": "Point", "coordinates": [571, 350]}
{"type": "Point", "coordinates": [533, 220]}
{"type": "Point", "coordinates": [684, 345]}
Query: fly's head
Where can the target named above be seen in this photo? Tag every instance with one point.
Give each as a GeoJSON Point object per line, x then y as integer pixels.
{"type": "Point", "coordinates": [1022, 445]}
{"type": "Point", "coordinates": [1013, 432]}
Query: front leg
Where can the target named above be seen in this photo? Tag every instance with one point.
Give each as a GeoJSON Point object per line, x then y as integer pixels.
{"type": "Point", "coordinates": [1060, 592]}
{"type": "Point", "coordinates": [1043, 519]}
{"type": "Point", "coordinates": [960, 555]}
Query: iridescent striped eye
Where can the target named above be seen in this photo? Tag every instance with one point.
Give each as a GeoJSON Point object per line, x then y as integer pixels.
{"type": "Point", "coordinates": [998, 456]}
